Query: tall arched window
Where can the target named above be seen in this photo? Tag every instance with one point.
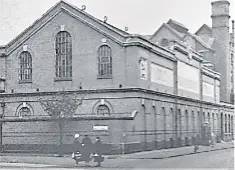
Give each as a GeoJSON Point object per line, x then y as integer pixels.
{"type": "Point", "coordinates": [104, 62]}
{"type": "Point", "coordinates": [24, 112]}
{"type": "Point", "coordinates": [173, 122]}
{"type": "Point", "coordinates": [225, 123]}
{"type": "Point", "coordinates": [179, 122]}
{"type": "Point", "coordinates": [25, 67]}
{"type": "Point", "coordinates": [198, 122]}
{"type": "Point", "coordinates": [186, 122]}
{"type": "Point", "coordinates": [63, 50]}
{"type": "Point", "coordinates": [193, 122]}
{"type": "Point", "coordinates": [164, 123]}
{"type": "Point", "coordinates": [103, 110]}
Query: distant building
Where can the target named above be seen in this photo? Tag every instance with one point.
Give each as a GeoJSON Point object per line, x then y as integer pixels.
{"type": "Point", "coordinates": [216, 44]}
{"type": "Point", "coordinates": [143, 92]}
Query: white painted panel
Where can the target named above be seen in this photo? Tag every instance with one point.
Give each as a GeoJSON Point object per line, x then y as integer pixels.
{"type": "Point", "coordinates": [208, 89]}
{"type": "Point", "coordinates": [217, 94]}
{"type": "Point", "coordinates": [188, 78]}
{"type": "Point", "coordinates": [162, 75]}
{"type": "Point", "coordinates": [2, 85]}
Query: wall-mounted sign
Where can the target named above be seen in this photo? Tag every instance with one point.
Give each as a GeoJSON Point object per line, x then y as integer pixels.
{"type": "Point", "coordinates": [188, 78]}
{"type": "Point", "coordinates": [162, 75]}
{"type": "Point", "coordinates": [208, 89]}
{"type": "Point", "coordinates": [100, 127]}
{"type": "Point", "coordinates": [143, 69]}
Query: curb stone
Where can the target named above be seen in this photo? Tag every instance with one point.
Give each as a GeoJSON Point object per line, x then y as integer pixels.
{"type": "Point", "coordinates": [163, 157]}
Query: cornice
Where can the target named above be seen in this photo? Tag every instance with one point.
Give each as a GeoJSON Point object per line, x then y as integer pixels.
{"type": "Point", "coordinates": [123, 90]}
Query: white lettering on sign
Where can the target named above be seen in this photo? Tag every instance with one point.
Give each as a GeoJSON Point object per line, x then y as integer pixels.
{"type": "Point", "coordinates": [208, 89]}
{"type": "Point", "coordinates": [162, 75]}
{"type": "Point", "coordinates": [100, 127]}
{"type": "Point", "coordinates": [188, 78]}
{"type": "Point", "coordinates": [143, 69]}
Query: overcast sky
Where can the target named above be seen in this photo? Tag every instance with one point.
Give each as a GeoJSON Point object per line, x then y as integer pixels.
{"type": "Point", "coordinates": [141, 16]}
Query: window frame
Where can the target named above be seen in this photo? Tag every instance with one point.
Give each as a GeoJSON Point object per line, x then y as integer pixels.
{"type": "Point", "coordinates": [103, 105]}
{"type": "Point", "coordinates": [64, 61]}
{"type": "Point", "coordinates": [21, 116]}
{"type": "Point", "coordinates": [25, 65]}
{"type": "Point", "coordinates": [107, 65]}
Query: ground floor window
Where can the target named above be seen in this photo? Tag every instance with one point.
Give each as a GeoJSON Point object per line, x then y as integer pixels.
{"type": "Point", "coordinates": [103, 110]}
{"type": "Point", "coordinates": [24, 112]}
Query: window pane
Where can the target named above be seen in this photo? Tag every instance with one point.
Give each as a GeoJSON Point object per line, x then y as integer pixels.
{"type": "Point", "coordinates": [24, 112]}
{"type": "Point", "coordinates": [63, 54]}
{"type": "Point", "coordinates": [103, 110]}
{"type": "Point", "coordinates": [25, 67]}
{"type": "Point", "coordinates": [104, 60]}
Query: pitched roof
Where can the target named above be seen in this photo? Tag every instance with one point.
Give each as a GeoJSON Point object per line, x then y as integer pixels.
{"type": "Point", "coordinates": [121, 37]}
{"type": "Point", "coordinates": [204, 26]}
{"type": "Point", "coordinates": [177, 23]}
{"type": "Point", "coordinates": [62, 5]}
{"type": "Point", "coordinates": [147, 36]}
{"type": "Point", "coordinates": [175, 32]}
{"type": "Point", "coordinates": [207, 40]}
{"type": "Point", "coordinates": [201, 41]}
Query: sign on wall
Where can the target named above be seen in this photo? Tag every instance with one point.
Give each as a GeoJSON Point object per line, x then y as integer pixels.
{"type": "Point", "coordinates": [208, 89]}
{"type": "Point", "coordinates": [100, 127]}
{"type": "Point", "coordinates": [143, 69]}
{"type": "Point", "coordinates": [188, 78]}
{"type": "Point", "coordinates": [162, 75]}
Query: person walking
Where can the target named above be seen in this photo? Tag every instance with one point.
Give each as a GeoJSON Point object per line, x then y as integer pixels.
{"type": "Point", "coordinates": [76, 147]}
{"type": "Point", "coordinates": [98, 151]}
{"type": "Point", "coordinates": [87, 149]}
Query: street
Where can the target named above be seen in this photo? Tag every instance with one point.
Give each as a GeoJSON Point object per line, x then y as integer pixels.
{"type": "Point", "coordinates": [221, 159]}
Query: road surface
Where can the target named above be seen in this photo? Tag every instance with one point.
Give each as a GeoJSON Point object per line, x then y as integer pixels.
{"type": "Point", "coordinates": [221, 159]}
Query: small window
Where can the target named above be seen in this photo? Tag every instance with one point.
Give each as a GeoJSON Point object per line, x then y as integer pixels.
{"type": "Point", "coordinates": [104, 62]}
{"type": "Point", "coordinates": [103, 110]}
{"type": "Point", "coordinates": [164, 42]}
{"type": "Point", "coordinates": [24, 112]}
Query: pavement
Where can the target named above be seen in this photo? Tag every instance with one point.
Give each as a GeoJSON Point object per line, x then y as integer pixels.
{"type": "Point", "coordinates": [173, 152]}
{"type": "Point", "coordinates": [51, 161]}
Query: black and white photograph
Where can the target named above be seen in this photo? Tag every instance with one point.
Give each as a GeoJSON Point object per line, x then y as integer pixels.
{"type": "Point", "coordinates": [117, 84]}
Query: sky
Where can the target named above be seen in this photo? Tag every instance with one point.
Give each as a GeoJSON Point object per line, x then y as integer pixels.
{"type": "Point", "coordinates": [140, 16]}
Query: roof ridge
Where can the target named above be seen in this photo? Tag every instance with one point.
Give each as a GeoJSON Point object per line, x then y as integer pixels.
{"type": "Point", "coordinates": [178, 23]}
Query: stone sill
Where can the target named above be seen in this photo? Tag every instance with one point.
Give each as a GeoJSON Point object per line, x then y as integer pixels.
{"type": "Point", "coordinates": [63, 79]}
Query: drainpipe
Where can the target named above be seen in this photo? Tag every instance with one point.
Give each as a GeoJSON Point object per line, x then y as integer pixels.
{"type": "Point", "coordinates": [201, 98]}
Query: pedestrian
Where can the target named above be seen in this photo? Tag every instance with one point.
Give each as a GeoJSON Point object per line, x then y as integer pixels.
{"type": "Point", "coordinates": [76, 147]}
{"type": "Point", "coordinates": [98, 151]}
{"type": "Point", "coordinates": [196, 145]}
{"type": "Point", "coordinates": [76, 143]}
{"type": "Point", "coordinates": [87, 149]}
{"type": "Point", "coordinates": [213, 141]}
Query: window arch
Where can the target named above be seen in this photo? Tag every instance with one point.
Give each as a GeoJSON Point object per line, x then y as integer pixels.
{"type": "Point", "coordinates": [104, 62]}
{"type": "Point", "coordinates": [63, 50]}
{"type": "Point", "coordinates": [103, 110]}
{"type": "Point", "coordinates": [24, 112]}
{"type": "Point", "coordinates": [25, 66]}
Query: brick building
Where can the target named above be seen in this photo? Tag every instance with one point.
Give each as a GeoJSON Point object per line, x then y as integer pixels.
{"type": "Point", "coordinates": [146, 92]}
